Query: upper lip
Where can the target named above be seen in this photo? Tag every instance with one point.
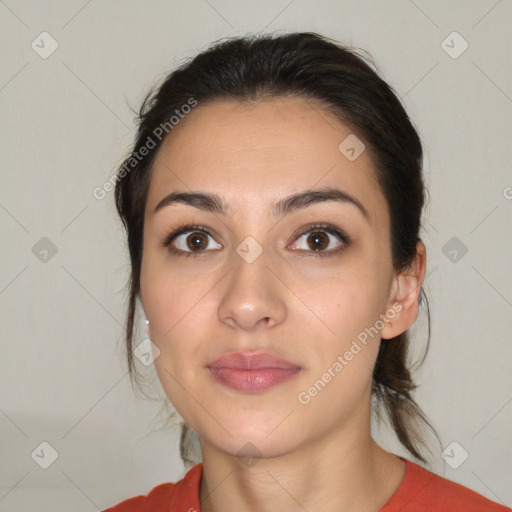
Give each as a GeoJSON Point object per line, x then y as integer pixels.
{"type": "Point", "coordinates": [251, 361]}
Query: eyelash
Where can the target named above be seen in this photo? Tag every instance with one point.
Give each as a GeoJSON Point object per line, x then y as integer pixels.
{"type": "Point", "coordinates": [324, 228]}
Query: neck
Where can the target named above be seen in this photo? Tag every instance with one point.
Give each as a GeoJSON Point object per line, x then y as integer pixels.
{"type": "Point", "coordinates": [344, 471]}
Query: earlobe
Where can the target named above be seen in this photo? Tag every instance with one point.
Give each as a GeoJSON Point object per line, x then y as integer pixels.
{"type": "Point", "coordinates": [144, 322]}
{"type": "Point", "coordinates": [403, 304]}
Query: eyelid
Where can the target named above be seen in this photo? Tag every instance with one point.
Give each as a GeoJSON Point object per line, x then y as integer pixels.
{"type": "Point", "coordinates": [189, 228]}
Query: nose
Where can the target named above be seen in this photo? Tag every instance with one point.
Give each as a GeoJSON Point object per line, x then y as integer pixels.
{"type": "Point", "coordinates": [252, 296]}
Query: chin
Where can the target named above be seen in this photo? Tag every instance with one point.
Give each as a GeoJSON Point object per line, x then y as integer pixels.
{"type": "Point", "coordinates": [252, 439]}
{"type": "Point", "coordinates": [254, 447]}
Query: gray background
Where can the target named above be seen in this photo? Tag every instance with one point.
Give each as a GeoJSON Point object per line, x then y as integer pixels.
{"type": "Point", "coordinates": [66, 123]}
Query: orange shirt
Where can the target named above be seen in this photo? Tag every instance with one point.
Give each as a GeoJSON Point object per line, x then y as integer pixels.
{"type": "Point", "coordinates": [420, 491]}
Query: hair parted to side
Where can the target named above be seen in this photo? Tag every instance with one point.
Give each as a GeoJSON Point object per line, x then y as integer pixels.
{"type": "Point", "coordinates": [338, 79]}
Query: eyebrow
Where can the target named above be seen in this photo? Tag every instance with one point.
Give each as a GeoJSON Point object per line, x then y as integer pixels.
{"type": "Point", "coordinates": [214, 203]}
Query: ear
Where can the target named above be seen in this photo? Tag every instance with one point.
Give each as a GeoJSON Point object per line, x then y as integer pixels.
{"type": "Point", "coordinates": [403, 304]}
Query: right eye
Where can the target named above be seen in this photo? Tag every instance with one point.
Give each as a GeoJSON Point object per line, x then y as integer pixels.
{"type": "Point", "coordinates": [190, 240]}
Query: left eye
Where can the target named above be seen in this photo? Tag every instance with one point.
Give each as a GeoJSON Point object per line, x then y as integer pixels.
{"type": "Point", "coordinates": [320, 240]}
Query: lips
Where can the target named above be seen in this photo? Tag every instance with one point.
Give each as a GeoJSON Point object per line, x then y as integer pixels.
{"type": "Point", "coordinates": [252, 372]}
{"type": "Point", "coordinates": [251, 361]}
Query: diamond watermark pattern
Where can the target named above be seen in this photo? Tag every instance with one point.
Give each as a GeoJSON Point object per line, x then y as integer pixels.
{"type": "Point", "coordinates": [44, 455]}
{"type": "Point", "coordinates": [454, 249]}
{"type": "Point", "coordinates": [44, 250]}
{"type": "Point", "coordinates": [249, 461]}
{"type": "Point", "coordinates": [146, 352]}
{"type": "Point", "coordinates": [454, 45]}
{"type": "Point", "coordinates": [44, 45]}
{"type": "Point", "coordinates": [351, 147]}
{"type": "Point", "coordinates": [249, 250]}
{"type": "Point", "coordinates": [454, 455]}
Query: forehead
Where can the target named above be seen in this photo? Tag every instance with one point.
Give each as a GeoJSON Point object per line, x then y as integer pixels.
{"type": "Point", "coordinates": [255, 152]}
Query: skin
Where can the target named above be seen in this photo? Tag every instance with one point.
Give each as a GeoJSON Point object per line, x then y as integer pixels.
{"type": "Point", "coordinates": [307, 309]}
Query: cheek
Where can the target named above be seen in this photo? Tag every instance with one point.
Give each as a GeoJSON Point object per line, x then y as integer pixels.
{"type": "Point", "coordinates": [171, 295]}
{"type": "Point", "coordinates": [179, 308]}
{"type": "Point", "coordinates": [346, 346]}
{"type": "Point", "coordinates": [177, 328]}
{"type": "Point", "coordinates": [350, 301]}
{"type": "Point", "coordinates": [352, 351]}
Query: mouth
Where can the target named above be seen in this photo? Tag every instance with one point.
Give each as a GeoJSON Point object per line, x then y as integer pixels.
{"type": "Point", "coordinates": [252, 372]}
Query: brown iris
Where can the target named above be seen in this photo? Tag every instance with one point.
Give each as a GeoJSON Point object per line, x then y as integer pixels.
{"type": "Point", "coordinates": [195, 241]}
{"type": "Point", "coordinates": [318, 240]}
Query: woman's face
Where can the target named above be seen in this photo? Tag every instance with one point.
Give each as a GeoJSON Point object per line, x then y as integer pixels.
{"type": "Point", "coordinates": [263, 281]}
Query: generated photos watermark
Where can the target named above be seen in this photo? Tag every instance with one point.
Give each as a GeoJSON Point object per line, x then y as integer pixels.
{"type": "Point", "coordinates": [304, 397]}
{"type": "Point", "coordinates": [158, 133]}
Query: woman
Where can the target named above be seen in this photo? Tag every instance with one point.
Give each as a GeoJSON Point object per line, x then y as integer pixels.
{"type": "Point", "coordinates": [273, 203]}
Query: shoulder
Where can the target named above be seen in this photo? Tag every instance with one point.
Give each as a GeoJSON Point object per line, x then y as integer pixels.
{"type": "Point", "coordinates": [422, 490]}
{"type": "Point", "coordinates": [168, 497]}
{"type": "Point", "coordinates": [157, 497]}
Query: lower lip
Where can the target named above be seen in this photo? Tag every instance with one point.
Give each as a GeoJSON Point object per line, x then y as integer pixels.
{"type": "Point", "coordinates": [252, 381]}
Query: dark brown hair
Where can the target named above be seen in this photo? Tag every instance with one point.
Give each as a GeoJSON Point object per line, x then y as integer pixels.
{"type": "Point", "coordinates": [313, 67]}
